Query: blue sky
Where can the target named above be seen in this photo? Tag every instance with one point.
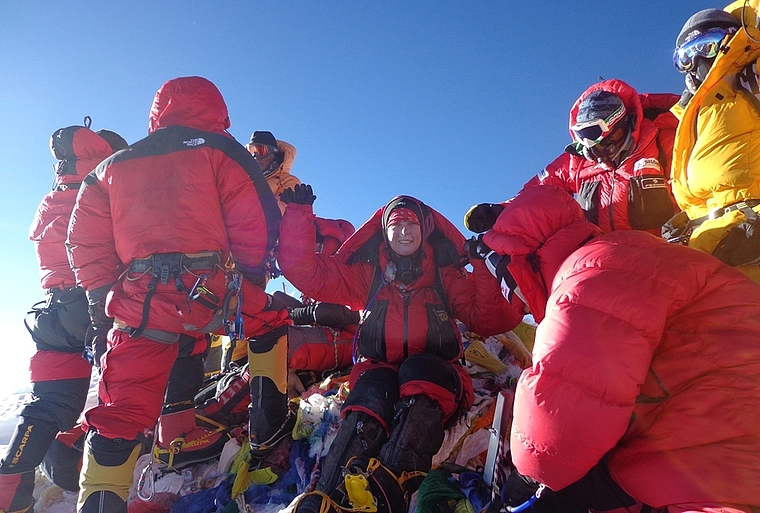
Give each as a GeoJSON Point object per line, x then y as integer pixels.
{"type": "Point", "coordinates": [453, 102]}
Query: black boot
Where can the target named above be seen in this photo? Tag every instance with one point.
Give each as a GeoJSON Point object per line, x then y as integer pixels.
{"type": "Point", "coordinates": [359, 435]}
{"type": "Point", "coordinates": [63, 459]}
{"type": "Point", "coordinates": [406, 450]}
{"type": "Point", "coordinates": [367, 483]}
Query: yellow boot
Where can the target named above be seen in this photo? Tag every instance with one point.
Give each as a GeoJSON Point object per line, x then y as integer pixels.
{"type": "Point", "coordinates": [106, 475]}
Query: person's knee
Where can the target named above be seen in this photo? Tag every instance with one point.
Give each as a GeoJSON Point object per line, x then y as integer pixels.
{"type": "Point", "coordinates": [376, 392]}
{"type": "Point", "coordinates": [435, 378]}
{"type": "Point", "coordinates": [58, 402]}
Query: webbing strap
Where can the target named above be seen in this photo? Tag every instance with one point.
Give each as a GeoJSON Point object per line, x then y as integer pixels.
{"type": "Point", "coordinates": [146, 309]}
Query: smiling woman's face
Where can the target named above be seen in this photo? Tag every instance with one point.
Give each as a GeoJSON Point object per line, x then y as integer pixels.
{"type": "Point", "coordinates": [404, 237]}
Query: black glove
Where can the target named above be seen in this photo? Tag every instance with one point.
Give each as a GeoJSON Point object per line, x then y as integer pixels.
{"type": "Point", "coordinates": [335, 315]}
{"type": "Point", "coordinates": [275, 304]}
{"type": "Point", "coordinates": [301, 194]}
{"type": "Point", "coordinates": [476, 249]}
{"type": "Point", "coordinates": [304, 315]}
{"type": "Point", "coordinates": [677, 229]}
{"type": "Point", "coordinates": [495, 263]}
{"type": "Point", "coordinates": [96, 337]}
{"type": "Point", "coordinates": [481, 218]}
{"type": "Point", "coordinates": [289, 300]}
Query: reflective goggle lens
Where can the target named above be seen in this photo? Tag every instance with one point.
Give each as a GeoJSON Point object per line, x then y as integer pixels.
{"type": "Point", "coordinates": [591, 132]}
{"type": "Point", "coordinates": [705, 45]}
{"type": "Point", "coordinates": [260, 150]}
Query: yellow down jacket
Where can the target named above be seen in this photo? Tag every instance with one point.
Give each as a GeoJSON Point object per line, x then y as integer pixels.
{"type": "Point", "coordinates": [716, 158]}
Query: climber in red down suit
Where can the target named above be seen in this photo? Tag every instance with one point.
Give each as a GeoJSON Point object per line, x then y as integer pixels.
{"type": "Point", "coordinates": [60, 373]}
{"type": "Point", "coordinates": [152, 240]}
{"type": "Point", "coordinates": [404, 268]}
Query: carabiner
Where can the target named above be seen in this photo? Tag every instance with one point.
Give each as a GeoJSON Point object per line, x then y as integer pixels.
{"type": "Point", "coordinates": [147, 474]}
{"type": "Point", "coordinates": [529, 503]}
{"type": "Point", "coordinates": [198, 287]}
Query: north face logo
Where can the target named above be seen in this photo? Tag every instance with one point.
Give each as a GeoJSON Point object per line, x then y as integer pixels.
{"type": "Point", "coordinates": [195, 142]}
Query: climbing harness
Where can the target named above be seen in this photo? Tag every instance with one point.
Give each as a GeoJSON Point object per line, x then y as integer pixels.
{"type": "Point", "coordinates": [163, 266]}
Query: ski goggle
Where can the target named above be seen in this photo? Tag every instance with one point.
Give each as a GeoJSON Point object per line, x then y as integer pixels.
{"type": "Point", "coordinates": [589, 133]}
{"type": "Point", "coordinates": [262, 150]}
{"type": "Point", "coordinates": [612, 146]}
{"type": "Point", "coordinates": [706, 45]}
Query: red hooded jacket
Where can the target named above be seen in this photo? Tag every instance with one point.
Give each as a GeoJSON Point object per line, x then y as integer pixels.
{"type": "Point", "coordinates": [635, 195]}
{"type": "Point", "coordinates": [78, 150]}
{"type": "Point", "coordinates": [403, 326]}
{"type": "Point", "coordinates": [647, 353]}
{"type": "Point", "coordinates": [187, 188]}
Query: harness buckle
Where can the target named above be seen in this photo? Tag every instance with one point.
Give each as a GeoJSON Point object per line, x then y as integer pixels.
{"type": "Point", "coordinates": [745, 206]}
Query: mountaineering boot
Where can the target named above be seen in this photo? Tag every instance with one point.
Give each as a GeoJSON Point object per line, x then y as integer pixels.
{"type": "Point", "coordinates": [103, 501]}
{"type": "Point", "coordinates": [106, 476]}
{"type": "Point", "coordinates": [28, 445]}
{"type": "Point", "coordinates": [407, 451]}
{"type": "Point", "coordinates": [63, 460]}
{"type": "Point", "coordinates": [368, 485]}
{"type": "Point", "coordinates": [182, 442]}
{"type": "Point", "coordinates": [270, 417]}
{"type": "Point", "coordinates": [16, 492]}
{"type": "Point", "coordinates": [359, 435]}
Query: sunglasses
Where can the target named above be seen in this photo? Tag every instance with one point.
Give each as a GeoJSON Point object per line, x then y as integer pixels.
{"type": "Point", "coordinates": [706, 45]}
{"type": "Point", "coordinates": [589, 133]}
{"type": "Point", "coordinates": [262, 150]}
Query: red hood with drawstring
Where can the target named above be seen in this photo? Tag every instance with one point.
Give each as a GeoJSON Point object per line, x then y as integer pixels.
{"type": "Point", "coordinates": [186, 188]}
{"type": "Point", "coordinates": [78, 150]}
{"type": "Point", "coordinates": [647, 354]}
{"type": "Point", "coordinates": [635, 194]}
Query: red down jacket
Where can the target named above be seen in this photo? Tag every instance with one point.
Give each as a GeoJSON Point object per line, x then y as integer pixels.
{"type": "Point", "coordinates": [78, 150]}
{"type": "Point", "coordinates": [648, 353]}
{"type": "Point", "coordinates": [635, 195]}
{"type": "Point", "coordinates": [188, 188]}
{"type": "Point", "coordinates": [473, 298]}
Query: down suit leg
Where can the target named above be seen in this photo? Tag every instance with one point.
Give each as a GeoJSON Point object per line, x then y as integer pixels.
{"type": "Point", "coordinates": [134, 375]}
{"type": "Point", "coordinates": [56, 405]}
{"type": "Point", "coordinates": [60, 379]}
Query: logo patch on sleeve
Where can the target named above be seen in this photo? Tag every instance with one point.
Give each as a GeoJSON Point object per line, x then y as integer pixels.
{"type": "Point", "coordinates": [543, 175]}
{"type": "Point", "coordinates": [648, 163]}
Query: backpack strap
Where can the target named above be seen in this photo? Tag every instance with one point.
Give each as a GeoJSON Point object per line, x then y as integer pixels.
{"type": "Point", "coordinates": [438, 287]}
{"type": "Point", "coordinates": [374, 286]}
